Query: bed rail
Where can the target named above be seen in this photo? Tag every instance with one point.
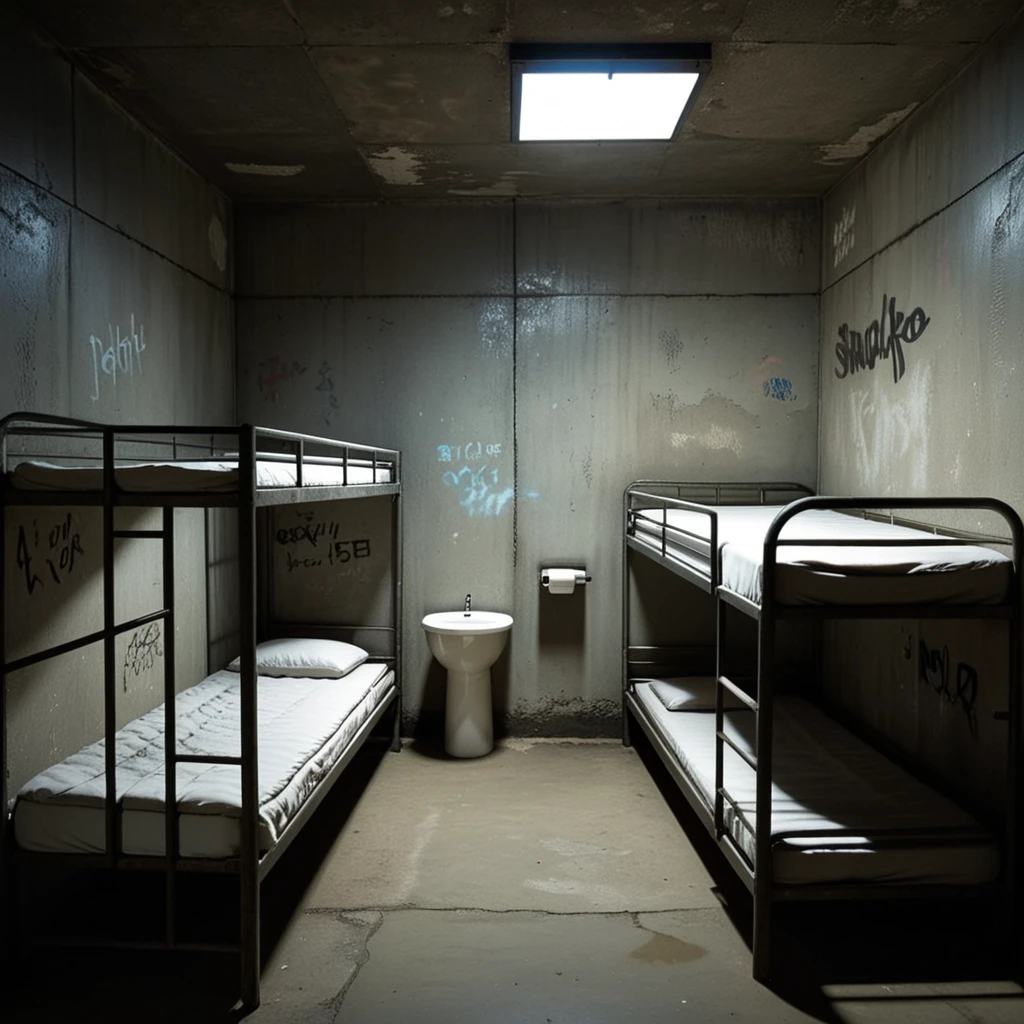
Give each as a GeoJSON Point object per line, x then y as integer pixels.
{"type": "Point", "coordinates": [71, 443]}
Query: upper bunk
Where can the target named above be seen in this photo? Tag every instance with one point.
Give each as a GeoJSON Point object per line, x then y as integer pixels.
{"type": "Point", "coordinates": [52, 460]}
{"type": "Point", "coordinates": [776, 546]}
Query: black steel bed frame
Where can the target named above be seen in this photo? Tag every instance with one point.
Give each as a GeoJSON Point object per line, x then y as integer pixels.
{"type": "Point", "coordinates": [757, 876]}
{"type": "Point", "coordinates": [194, 443]}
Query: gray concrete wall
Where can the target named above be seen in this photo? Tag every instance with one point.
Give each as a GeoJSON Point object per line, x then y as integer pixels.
{"type": "Point", "coordinates": [530, 360]}
{"type": "Point", "coordinates": [104, 235]}
{"type": "Point", "coordinates": [935, 220]}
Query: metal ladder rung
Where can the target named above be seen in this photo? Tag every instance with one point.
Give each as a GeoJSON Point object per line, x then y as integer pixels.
{"type": "Point", "coordinates": [749, 758]}
{"type": "Point", "coordinates": [738, 693]}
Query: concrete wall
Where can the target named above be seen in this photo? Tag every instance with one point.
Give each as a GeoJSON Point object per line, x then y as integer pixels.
{"type": "Point", "coordinates": [933, 219]}
{"type": "Point", "coordinates": [106, 239]}
{"type": "Point", "coordinates": [530, 360]}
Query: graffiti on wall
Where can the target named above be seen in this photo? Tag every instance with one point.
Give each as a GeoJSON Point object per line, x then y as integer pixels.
{"type": "Point", "coordinates": [933, 667]}
{"type": "Point", "coordinates": [883, 338]}
{"type": "Point", "coordinates": [842, 235]}
{"type": "Point", "coordinates": [122, 357]}
{"type": "Point", "coordinates": [143, 650]}
{"type": "Point", "coordinates": [478, 488]}
{"type": "Point", "coordinates": [275, 371]}
{"type": "Point", "coordinates": [52, 551]}
{"type": "Point", "coordinates": [779, 388]}
{"type": "Point", "coordinates": [316, 542]}
{"type": "Point", "coordinates": [329, 400]}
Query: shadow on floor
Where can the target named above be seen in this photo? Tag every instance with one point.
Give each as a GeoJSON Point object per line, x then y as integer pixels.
{"type": "Point", "coordinates": [115, 984]}
{"type": "Point", "coordinates": [853, 942]}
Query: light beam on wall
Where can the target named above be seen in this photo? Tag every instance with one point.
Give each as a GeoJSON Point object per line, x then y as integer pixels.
{"type": "Point", "coordinates": [585, 93]}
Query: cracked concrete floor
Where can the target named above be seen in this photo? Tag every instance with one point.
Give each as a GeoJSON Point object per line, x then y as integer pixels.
{"type": "Point", "coordinates": [566, 881]}
{"type": "Point", "coordinates": [553, 881]}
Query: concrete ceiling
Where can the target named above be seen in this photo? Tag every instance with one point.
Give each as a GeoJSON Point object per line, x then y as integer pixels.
{"type": "Point", "coordinates": [409, 99]}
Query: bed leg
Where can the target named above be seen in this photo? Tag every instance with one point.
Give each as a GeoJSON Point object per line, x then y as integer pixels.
{"type": "Point", "coordinates": [396, 727]}
{"type": "Point", "coordinates": [249, 998]}
{"type": "Point", "coordinates": [762, 959]}
{"type": "Point", "coordinates": [627, 739]}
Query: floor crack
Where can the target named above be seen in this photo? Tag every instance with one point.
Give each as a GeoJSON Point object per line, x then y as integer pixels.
{"type": "Point", "coordinates": [361, 959]}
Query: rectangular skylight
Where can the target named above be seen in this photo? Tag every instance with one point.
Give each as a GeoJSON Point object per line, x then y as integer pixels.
{"type": "Point", "coordinates": [592, 105]}
{"type": "Point", "coordinates": [586, 93]}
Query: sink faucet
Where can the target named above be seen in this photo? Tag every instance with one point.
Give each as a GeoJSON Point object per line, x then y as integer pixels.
{"type": "Point", "coordinates": [466, 608]}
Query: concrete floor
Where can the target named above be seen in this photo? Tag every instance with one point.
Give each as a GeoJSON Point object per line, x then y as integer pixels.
{"type": "Point", "coordinates": [553, 881]}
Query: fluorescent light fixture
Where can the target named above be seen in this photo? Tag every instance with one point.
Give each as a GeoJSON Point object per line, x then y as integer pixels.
{"type": "Point", "coordinates": [593, 93]}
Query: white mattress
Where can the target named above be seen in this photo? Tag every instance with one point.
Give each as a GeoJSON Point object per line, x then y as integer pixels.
{"type": "Point", "coordinates": [206, 477]}
{"type": "Point", "coordinates": [305, 725]}
{"type": "Point", "coordinates": [940, 574]}
{"type": "Point", "coordinates": [825, 777]}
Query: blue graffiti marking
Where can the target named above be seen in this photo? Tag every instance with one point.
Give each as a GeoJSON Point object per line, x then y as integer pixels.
{"type": "Point", "coordinates": [478, 490]}
{"type": "Point", "coordinates": [471, 451]}
{"type": "Point", "coordinates": [779, 388]}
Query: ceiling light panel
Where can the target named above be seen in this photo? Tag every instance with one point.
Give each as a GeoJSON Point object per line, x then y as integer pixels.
{"type": "Point", "coordinates": [591, 93]}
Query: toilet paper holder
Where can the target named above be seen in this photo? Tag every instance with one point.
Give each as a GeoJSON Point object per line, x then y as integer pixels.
{"type": "Point", "coordinates": [581, 577]}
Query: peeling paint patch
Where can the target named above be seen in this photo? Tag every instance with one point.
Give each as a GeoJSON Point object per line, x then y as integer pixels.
{"type": "Point", "coordinates": [397, 166]}
{"type": "Point", "coordinates": [266, 170]}
{"type": "Point", "coordinates": [506, 185]}
{"type": "Point", "coordinates": [779, 388]}
{"type": "Point", "coordinates": [218, 243]}
{"type": "Point", "coordinates": [864, 138]}
{"type": "Point", "coordinates": [715, 438]}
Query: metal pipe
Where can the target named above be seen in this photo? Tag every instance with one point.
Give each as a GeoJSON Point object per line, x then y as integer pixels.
{"type": "Point", "coordinates": [170, 734]}
{"type": "Point", "coordinates": [109, 651]}
{"type": "Point", "coordinates": [249, 896]}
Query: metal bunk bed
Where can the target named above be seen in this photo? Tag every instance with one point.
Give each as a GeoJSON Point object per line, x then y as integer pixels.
{"type": "Point", "coordinates": [357, 471]}
{"type": "Point", "coordinates": [672, 548]}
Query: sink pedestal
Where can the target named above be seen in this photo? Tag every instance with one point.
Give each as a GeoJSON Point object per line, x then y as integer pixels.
{"type": "Point", "coordinates": [467, 644]}
{"type": "Point", "coordinates": [468, 724]}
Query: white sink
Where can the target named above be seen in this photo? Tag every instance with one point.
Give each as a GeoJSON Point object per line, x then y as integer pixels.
{"type": "Point", "coordinates": [467, 645]}
{"type": "Point", "coordinates": [472, 624]}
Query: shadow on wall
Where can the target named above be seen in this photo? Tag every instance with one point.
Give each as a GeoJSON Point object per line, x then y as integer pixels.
{"type": "Point", "coordinates": [562, 618]}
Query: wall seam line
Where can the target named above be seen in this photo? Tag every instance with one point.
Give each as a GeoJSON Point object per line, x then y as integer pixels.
{"type": "Point", "coordinates": [515, 397]}
{"type": "Point", "coordinates": [903, 235]}
{"type": "Point", "coordinates": [74, 207]}
{"type": "Point", "coordinates": [349, 297]}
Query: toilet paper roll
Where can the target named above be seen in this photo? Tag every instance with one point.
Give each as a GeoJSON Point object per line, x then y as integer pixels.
{"type": "Point", "coordinates": [562, 581]}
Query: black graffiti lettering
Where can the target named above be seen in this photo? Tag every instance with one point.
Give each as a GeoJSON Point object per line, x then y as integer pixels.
{"type": "Point", "coordinates": [883, 338]}
{"type": "Point", "coordinates": [302, 563]}
{"type": "Point", "coordinates": [341, 551]}
{"type": "Point", "coordinates": [915, 325]}
{"type": "Point", "coordinates": [933, 671]}
{"type": "Point", "coordinates": [361, 548]}
{"type": "Point", "coordinates": [25, 561]}
{"type": "Point", "coordinates": [843, 352]}
{"type": "Point", "coordinates": [872, 348]}
{"type": "Point", "coordinates": [143, 650]}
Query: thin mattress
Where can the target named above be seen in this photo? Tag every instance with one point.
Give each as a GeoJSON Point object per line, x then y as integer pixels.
{"type": "Point", "coordinates": [207, 477]}
{"type": "Point", "coordinates": [305, 726]}
{"type": "Point", "coordinates": [823, 574]}
{"type": "Point", "coordinates": [824, 777]}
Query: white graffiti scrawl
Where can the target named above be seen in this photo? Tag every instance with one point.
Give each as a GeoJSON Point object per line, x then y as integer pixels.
{"type": "Point", "coordinates": [122, 356]}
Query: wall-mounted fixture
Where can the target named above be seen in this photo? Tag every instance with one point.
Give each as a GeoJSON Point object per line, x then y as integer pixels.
{"type": "Point", "coordinates": [595, 92]}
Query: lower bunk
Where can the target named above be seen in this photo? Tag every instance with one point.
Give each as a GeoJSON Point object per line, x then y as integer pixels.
{"type": "Point", "coordinates": [846, 821]}
{"type": "Point", "coordinates": [306, 727]}
{"type": "Point", "coordinates": [310, 724]}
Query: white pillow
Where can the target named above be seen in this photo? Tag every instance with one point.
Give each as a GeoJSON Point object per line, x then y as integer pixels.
{"type": "Point", "coordinates": [308, 659]}
{"type": "Point", "coordinates": [692, 693]}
